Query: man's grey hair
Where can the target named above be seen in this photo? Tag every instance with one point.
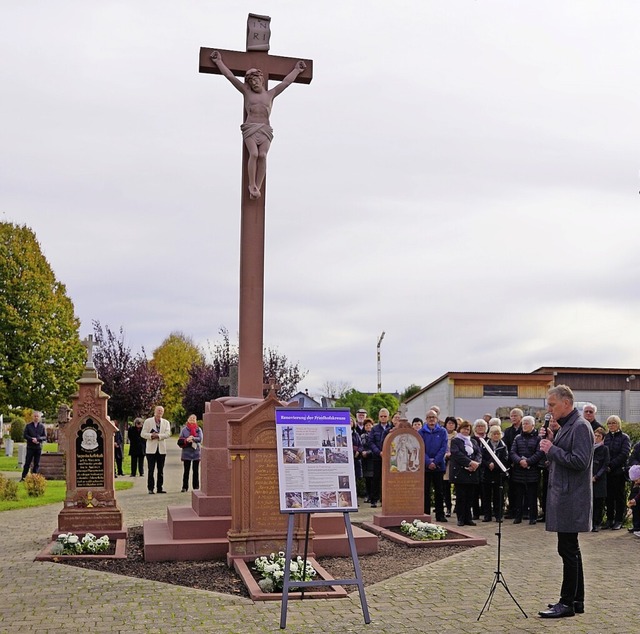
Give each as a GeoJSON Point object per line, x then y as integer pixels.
{"type": "Point", "coordinates": [591, 406]}
{"type": "Point", "coordinates": [562, 392]}
{"type": "Point", "coordinates": [518, 411]}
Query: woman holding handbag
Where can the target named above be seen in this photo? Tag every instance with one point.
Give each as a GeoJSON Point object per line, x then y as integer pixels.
{"type": "Point", "coordinates": [190, 441]}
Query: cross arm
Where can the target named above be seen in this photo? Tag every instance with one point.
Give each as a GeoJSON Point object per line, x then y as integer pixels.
{"type": "Point", "coordinates": [239, 62]}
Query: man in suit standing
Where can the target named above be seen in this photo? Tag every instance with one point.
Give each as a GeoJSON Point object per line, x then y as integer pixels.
{"type": "Point", "coordinates": [35, 434]}
{"type": "Point", "coordinates": [569, 496]}
{"type": "Point", "coordinates": [155, 431]}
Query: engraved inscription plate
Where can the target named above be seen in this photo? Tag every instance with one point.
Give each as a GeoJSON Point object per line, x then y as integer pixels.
{"type": "Point", "coordinates": [89, 456]}
{"type": "Point", "coordinates": [258, 32]}
{"type": "Point", "coordinates": [265, 501]}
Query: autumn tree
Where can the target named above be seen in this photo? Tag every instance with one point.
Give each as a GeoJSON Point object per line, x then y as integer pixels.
{"type": "Point", "coordinates": [133, 385]}
{"type": "Point", "coordinates": [41, 356]}
{"type": "Point", "coordinates": [204, 382]}
{"type": "Point", "coordinates": [203, 386]}
{"type": "Point", "coordinates": [173, 359]}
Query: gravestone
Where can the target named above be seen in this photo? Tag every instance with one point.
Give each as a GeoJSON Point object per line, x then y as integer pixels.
{"type": "Point", "coordinates": [52, 463]}
{"type": "Point", "coordinates": [90, 504]}
{"type": "Point", "coordinates": [257, 526]}
{"type": "Point", "coordinates": [402, 477]}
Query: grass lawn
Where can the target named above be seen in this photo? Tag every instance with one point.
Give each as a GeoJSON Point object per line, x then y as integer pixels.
{"type": "Point", "coordinates": [54, 493]}
{"type": "Point", "coordinates": [10, 463]}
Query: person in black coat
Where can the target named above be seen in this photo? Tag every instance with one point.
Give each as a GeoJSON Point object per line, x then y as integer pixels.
{"type": "Point", "coordinates": [117, 451]}
{"type": "Point", "coordinates": [367, 457]}
{"type": "Point", "coordinates": [492, 475]}
{"type": "Point", "coordinates": [35, 436]}
{"type": "Point", "coordinates": [137, 447]}
{"type": "Point", "coordinates": [619, 445]}
{"type": "Point", "coordinates": [464, 464]}
{"type": "Point", "coordinates": [525, 458]}
{"type": "Point", "coordinates": [600, 465]}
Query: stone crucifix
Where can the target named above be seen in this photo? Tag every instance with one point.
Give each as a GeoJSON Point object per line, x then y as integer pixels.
{"type": "Point", "coordinates": [258, 67]}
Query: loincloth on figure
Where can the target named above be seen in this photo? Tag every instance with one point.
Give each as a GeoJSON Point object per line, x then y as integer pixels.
{"type": "Point", "coordinates": [260, 132]}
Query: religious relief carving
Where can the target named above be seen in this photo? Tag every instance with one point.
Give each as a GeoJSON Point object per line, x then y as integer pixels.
{"type": "Point", "coordinates": [88, 408]}
{"type": "Point", "coordinates": [256, 129]}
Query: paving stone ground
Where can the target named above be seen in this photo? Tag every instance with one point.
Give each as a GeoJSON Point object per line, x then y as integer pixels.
{"type": "Point", "coordinates": [443, 597]}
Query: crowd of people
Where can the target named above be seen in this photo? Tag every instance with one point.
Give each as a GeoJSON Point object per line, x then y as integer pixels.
{"type": "Point", "coordinates": [455, 457]}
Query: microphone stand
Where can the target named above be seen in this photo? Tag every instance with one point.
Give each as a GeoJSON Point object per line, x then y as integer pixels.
{"type": "Point", "coordinates": [498, 577]}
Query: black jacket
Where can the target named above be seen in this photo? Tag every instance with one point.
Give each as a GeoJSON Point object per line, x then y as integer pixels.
{"type": "Point", "coordinates": [527, 446]}
{"type": "Point", "coordinates": [619, 445]}
{"type": "Point", "coordinates": [460, 459]}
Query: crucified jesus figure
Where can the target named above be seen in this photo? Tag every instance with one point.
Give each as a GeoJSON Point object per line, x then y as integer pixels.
{"type": "Point", "coordinates": [256, 130]}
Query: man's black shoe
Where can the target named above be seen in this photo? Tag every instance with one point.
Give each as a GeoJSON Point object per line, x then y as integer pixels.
{"type": "Point", "coordinates": [442, 519]}
{"type": "Point", "coordinates": [617, 526]}
{"type": "Point", "coordinates": [161, 491]}
{"type": "Point", "coordinates": [578, 606]}
{"type": "Point", "coordinates": [557, 611]}
{"type": "Point", "coordinates": [151, 492]}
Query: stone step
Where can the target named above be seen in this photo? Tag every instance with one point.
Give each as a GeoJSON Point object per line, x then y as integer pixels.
{"type": "Point", "coordinates": [337, 544]}
{"type": "Point", "coordinates": [160, 546]}
{"type": "Point", "coordinates": [185, 523]}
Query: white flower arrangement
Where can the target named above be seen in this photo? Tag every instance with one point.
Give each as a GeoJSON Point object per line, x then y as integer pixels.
{"type": "Point", "coordinates": [272, 570]}
{"type": "Point", "coordinates": [422, 531]}
{"type": "Point", "coordinates": [70, 544]}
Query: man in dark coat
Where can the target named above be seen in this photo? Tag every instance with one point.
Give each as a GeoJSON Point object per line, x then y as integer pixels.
{"type": "Point", "coordinates": [137, 447]}
{"type": "Point", "coordinates": [569, 498]}
{"type": "Point", "coordinates": [35, 435]}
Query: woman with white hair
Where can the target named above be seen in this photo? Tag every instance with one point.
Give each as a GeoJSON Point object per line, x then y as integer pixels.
{"type": "Point", "coordinates": [526, 457]}
{"type": "Point", "coordinates": [493, 475]}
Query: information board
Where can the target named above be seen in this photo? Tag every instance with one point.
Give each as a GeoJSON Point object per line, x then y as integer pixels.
{"type": "Point", "coordinates": [315, 460]}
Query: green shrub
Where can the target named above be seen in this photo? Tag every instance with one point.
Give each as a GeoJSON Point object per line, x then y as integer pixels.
{"type": "Point", "coordinates": [8, 489]}
{"type": "Point", "coordinates": [35, 484]}
{"type": "Point", "coordinates": [633, 429]}
{"type": "Point", "coordinates": [17, 430]}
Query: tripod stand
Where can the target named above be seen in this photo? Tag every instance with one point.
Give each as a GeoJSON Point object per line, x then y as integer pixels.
{"type": "Point", "coordinates": [498, 578]}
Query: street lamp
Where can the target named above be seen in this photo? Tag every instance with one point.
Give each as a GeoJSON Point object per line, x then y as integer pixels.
{"type": "Point", "coordinates": [379, 367]}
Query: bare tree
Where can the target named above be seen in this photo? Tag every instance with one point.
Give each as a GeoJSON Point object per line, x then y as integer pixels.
{"type": "Point", "coordinates": [335, 389]}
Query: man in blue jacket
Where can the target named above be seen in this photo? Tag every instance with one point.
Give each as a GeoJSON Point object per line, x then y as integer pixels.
{"type": "Point", "coordinates": [435, 447]}
{"type": "Point", "coordinates": [36, 435]}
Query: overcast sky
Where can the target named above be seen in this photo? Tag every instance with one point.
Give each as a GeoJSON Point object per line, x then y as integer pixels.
{"type": "Point", "coordinates": [461, 174]}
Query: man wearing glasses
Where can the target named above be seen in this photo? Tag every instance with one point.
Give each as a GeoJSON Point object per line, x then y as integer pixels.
{"type": "Point", "coordinates": [589, 414]}
{"type": "Point", "coordinates": [435, 446]}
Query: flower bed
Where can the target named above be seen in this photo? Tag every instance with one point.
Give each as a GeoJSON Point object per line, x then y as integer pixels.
{"type": "Point", "coordinates": [422, 531]}
{"type": "Point", "coordinates": [70, 546]}
{"type": "Point", "coordinates": [271, 571]}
